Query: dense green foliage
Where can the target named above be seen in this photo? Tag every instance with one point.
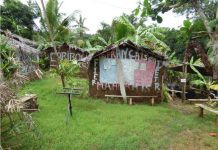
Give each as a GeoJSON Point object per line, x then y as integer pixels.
{"type": "Point", "coordinates": [203, 13]}
{"type": "Point", "coordinates": [96, 124]}
{"type": "Point", "coordinates": [17, 17]}
{"type": "Point", "coordinates": [66, 70]}
{"type": "Point", "coordinates": [7, 56]}
{"type": "Point", "coordinates": [58, 24]}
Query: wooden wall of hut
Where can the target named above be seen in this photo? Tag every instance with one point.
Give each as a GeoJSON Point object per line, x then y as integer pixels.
{"type": "Point", "coordinates": [65, 51]}
{"type": "Point", "coordinates": [142, 72]}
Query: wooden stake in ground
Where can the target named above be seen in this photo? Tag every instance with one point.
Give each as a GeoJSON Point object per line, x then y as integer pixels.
{"type": "Point", "coordinates": [184, 82]}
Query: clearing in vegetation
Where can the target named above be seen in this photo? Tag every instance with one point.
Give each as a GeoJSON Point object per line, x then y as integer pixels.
{"type": "Point", "coordinates": [99, 125]}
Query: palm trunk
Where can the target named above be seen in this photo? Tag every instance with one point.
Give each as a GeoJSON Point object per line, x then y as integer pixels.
{"type": "Point", "coordinates": [51, 36]}
{"type": "Point", "coordinates": [120, 76]}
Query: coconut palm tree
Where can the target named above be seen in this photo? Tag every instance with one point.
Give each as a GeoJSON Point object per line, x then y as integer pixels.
{"type": "Point", "coordinates": [57, 30]}
{"type": "Point", "coordinates": [80, 27]}
{"type": "Point", "coordinates": [54, 25]}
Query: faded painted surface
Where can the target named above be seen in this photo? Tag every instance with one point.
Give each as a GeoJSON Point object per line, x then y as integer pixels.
{"type": "Point", "coordinates": [66, 55]}
{"type": "Point", "coordinates": [142, 73]}
{"type": "Point", "coordinates": [136, 72]}
{"type": "Point", "coordinates": [138, 69]}
{"type": "Point", "coordinates": [95, 74]}
{"type": "Point", "coordinates": [65, 51]}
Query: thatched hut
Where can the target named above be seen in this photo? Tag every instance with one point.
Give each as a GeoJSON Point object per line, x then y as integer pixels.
{"type": "Point", "coordinates": [25, 51]}
{"type": "Point", "coordinates": [65, 51]}
{"type": "Point", "coordinates": [140, 69]}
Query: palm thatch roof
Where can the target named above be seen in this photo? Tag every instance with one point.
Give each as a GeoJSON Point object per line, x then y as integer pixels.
{"type": "Point", "coordinates": [66, 46]}
{"type": "Point", "coordinates": [19, 43]}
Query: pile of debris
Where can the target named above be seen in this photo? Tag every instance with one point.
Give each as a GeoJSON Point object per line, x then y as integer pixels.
{"type": "Point", "coordinates": [35, 75]}
{"type": "Point", "coordinates": [10, 103]}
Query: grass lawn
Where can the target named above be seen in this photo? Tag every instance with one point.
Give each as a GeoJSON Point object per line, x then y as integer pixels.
{"type": "Point", "coordinates": [99, 125]}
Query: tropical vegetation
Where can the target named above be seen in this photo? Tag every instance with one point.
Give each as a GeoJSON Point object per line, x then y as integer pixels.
{"type": "Point", "coordinates": [108, 124]}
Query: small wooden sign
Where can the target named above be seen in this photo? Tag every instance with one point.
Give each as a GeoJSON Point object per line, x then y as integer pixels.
{"type": "Point", "coordinates": [183, 80]}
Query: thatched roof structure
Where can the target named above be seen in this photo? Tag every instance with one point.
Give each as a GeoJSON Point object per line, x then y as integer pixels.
{"type": "Point", "coordinates": [18, 42]}
{"type": "Point", "coordinates": [66, 47]}
{"type": "Point", "coordinates": [25, 51]}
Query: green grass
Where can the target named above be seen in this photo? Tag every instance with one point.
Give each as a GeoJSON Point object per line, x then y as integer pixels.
{"type": "Point", "coordinates": [99, 125]}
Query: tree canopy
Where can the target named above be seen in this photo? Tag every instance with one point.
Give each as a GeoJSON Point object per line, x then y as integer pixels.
{"type": "Point", "coordinates": [17, 17]}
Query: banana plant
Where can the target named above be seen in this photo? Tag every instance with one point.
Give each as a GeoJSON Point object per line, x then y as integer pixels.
{"type": "Point", "coordinates": [202, 81]}
{"type": "Point", "coordinates": [66, 70]}
{"type": "Point", "coordinates": [149, 37]}
{"type": "Point", "coordinates": [7, 58]}
{"type": "Point", "coordinates": [92, 49]}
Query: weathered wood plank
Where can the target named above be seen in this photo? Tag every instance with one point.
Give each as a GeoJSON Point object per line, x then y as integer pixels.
{"type": "Point", "coordinates": [207, 108]}
{"type": "Point", "coordinates": [28, 97]}
{"type": "Point", "coordinates": [30, 102]}
{"type": "Point", "coordinates": [202, 100]}
{"type": "Point", "coordinates": [176, 91]}
{"type": "Point", "coordinates": [129, 96]}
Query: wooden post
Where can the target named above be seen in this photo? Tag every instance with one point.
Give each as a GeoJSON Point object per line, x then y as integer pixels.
{"type": "Point", "coordinates": [184, 83]}
{"type": "Point", "coordinates": [173, 94]}
{"type": "Point", "coordinates": [130, 101]}
{"type": "Point", "coordinates": [152, 101]}
{"type": "Point", "coordinates": [162, 84]}
{"type": "Point", "coordinates": [201, 112]}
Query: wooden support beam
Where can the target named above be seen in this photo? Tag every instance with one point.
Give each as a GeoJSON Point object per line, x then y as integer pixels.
{"type": "Point", "coordinates": [152, 101]}
{"type": "Point", "coordinates": [130, 101]}
{"type": "Point", "coordinates": [184, 84]}
{"type": "Point", "coordinates": [201, 112]}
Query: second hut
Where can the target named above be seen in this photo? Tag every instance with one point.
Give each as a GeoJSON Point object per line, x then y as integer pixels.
{"type": "Point", "coordinates": [139, 70]}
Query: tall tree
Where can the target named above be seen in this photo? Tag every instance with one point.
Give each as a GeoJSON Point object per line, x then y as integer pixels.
{"type": "Point", "coordinates": [80, 27]}
{"type": "Point", "coordinates": [54, 25]}
{"type": "Point", "coordinates": [17, 17]}
{"type": "Point", "coordinates": [207, 10]}
{"type": "Point", "coordinates": [105, 32]}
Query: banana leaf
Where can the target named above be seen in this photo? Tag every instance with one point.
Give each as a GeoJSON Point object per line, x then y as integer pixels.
{"type": "Point", "coordinates": [214, 87]}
